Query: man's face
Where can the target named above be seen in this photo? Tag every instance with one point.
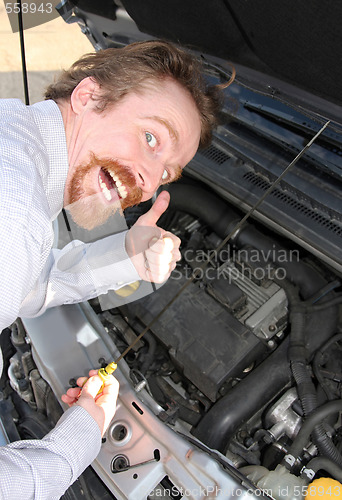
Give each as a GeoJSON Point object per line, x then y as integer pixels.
{"type": "Point", "coordinates": [121, 156]}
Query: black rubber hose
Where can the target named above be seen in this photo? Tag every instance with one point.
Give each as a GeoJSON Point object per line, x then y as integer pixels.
{"type": "Point", "coordinates": [317, 366]}
{"type": "Point", "coordinates": [201, 203]}
{"type": "Point", "coordinates": [222, 219]}
{"type": "Point", "coordinates": [245, 399]}
{"type": "Point", "coordinates": [308, 398]}
{"type": "Point", "coordinates": [299, 273]}
{"type": "Point", "coordinates": [329, 303]}
{"type": "Point", "coordinates": [319, 325]}
{"type": "Point", "coordinates": [321, 463]}
{"type": "Point", "coordinates": [299, 356]}
{"type": "Point", "coordinates": [149, 355]}
{"type": "Point", "coordinates": [310, 423]}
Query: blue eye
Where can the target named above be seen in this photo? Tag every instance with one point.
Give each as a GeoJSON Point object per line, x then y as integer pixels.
{"type": "Point", "coordinates": [151, 140]}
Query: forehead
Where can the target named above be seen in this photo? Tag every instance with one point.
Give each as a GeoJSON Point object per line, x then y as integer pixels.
{"type": "Point", "coordinates": [154, 99]}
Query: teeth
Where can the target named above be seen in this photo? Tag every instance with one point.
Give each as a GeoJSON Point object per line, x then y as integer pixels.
{"type": "Point", "coordinates": [114, 177]}
{"type": "Point", "coordinates": [105, 190]}
{"type": "Point", "coordinates": [120, 187]}
{"type": "Point", "coordinates": [122, 191]}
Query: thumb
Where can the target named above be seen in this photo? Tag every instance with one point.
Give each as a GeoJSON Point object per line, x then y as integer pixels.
{"type": "Point", "coordinates": [92, 386]}
{"type": "Point", "coordinates": [158, 208]}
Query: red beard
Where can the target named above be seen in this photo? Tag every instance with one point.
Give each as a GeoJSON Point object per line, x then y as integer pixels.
{"type": "Point", "coordinates": [86, 206]}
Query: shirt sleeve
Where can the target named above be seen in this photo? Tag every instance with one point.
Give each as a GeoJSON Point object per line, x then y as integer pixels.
{"type": "Point", "coordinates": [80, 271]}
{"type": "Point", "coordinates": [45, 468]}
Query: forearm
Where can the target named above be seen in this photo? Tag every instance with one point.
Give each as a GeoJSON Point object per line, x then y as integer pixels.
{"type": "Point", "coordinates": [45, 468]}
{"type": "Point", "coordinates": [80, 272]}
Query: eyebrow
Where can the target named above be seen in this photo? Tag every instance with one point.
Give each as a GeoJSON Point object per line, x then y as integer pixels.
{"type": "Point", "coordinates": [172, 132]}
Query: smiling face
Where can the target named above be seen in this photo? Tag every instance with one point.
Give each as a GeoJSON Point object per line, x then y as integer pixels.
{"type": "Point", "coordinates": [121, 156]}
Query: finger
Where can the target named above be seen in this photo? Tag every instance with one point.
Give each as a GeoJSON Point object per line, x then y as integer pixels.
{"type": "Point", "coordinates": [139, 237]}
{"type": "Point", "coordinates": [111, 388]}
{"type": "Point", "coordinates": [111, 385]}
{"type": "Point", "coordinates": [154, 258]}
{"type": "Point", "coordinates": [92, 387]}
{"type": "Point", "coordinates": [81, 381]}
{"type": "Point", "coordinates": [158, 275]}
{"type": "Point", "coordinates": [67, 399]}
{"type": "Point", "coordinates": [109, 394]}
{"type": "Point", "coordinates": [175, 239]}
{"type": "Point", "coordinates": [159, 270]}
{"type": "Point", "coordinates": [176, 255]}
{"type": "Point", "coordinates": [73, 392]}
{"type": "Point", "coordinates": [157, 209]}
{"type": "Point", "coordinates": [156, 243]}
{"type": "Point", "coordinates": [169, 244]}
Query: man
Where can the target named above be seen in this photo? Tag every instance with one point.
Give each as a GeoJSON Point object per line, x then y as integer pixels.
{"type": "Point", "coordinates": [116, 126]}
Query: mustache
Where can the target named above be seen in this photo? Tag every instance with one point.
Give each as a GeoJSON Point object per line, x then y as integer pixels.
{"type": "Point", "coordinates": [125, 175]}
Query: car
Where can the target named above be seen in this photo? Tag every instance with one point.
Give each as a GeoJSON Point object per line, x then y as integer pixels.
{"type": "Point", "coordinates": [234, 388]}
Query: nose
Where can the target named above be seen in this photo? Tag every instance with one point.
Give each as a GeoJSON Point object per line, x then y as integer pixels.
{"type": "Point", "coordinates": [149, 174]}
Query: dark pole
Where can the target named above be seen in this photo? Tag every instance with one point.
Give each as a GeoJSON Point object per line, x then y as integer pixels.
{"type": "Point", "coordinates": [23, 59]}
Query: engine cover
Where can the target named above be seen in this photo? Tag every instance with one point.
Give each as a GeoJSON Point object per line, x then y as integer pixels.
{"type": "Point", "coordinates": [204, 339]}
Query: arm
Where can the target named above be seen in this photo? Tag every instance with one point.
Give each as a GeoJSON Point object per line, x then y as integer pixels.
{"type": "Point", "coordinates": [82, 271]}
{"type": "Point", "coordinates": [79, 272]}
{"type": "Point", "coordinates": [45, 468]}
{"type": "Point", "coordinates": [34, 277]}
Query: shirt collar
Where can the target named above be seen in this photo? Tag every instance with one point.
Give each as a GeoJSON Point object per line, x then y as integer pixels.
{"type": "Point", "coordinates": [49, 121]}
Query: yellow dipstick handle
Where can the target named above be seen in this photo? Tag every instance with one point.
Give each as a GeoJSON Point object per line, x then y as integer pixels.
{"type": "Point", "coordinates": [105, 374]}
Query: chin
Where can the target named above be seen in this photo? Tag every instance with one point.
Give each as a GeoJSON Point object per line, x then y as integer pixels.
{"type": "Point", "coordinates": [90, 212]}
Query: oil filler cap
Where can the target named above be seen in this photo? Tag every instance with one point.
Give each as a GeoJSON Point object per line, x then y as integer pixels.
{"type": "Point", "coordinates": [127, 290]}
{"type": "Point", "coordinates": [324, 488]}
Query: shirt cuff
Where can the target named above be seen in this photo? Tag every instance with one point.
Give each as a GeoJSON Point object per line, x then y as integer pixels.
{"type": "Point", "coordinates": [110, 264]}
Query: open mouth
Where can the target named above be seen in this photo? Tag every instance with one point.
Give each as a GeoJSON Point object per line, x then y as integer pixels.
{"type": "Point", "coordinates": [109, 181]}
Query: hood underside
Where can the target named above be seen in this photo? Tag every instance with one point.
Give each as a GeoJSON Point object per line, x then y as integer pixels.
{"type": "Point", "coordinates": [299, 42]}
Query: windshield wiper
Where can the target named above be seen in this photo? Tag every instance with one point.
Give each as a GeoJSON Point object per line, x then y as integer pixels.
{"type": "Point", "coordinates": [305, 125]}
{"type": "Point", "coordinates": [321, 156]}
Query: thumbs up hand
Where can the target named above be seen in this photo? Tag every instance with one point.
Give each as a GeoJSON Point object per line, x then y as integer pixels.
{"type": "Point", "coordinates": [153, 251]}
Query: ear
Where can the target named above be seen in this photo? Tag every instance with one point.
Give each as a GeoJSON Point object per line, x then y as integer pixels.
{"type": "Point", "coordinates": [82, 95]}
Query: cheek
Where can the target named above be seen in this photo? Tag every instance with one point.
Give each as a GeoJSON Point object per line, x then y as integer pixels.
{"type": "Point", "coordinates": [122, 145]}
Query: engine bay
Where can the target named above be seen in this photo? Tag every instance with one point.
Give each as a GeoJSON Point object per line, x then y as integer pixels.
{"type": "Point", "coordinates": [224, 339]}
{"type": "Point", "coordinates": [247, 348]}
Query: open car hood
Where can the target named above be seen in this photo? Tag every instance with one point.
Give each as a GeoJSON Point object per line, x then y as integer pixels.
{"type": "Point", "coordinates": [298, 42]}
